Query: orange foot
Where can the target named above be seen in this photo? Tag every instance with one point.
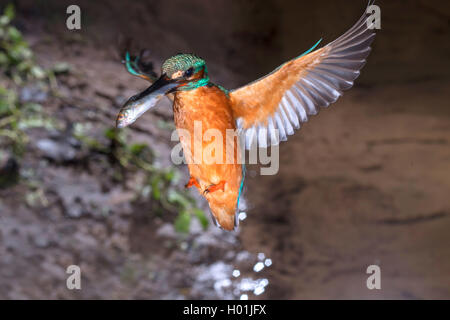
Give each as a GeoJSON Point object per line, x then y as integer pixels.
{"type": "Point", "coordinates": [192, 182]}
{"type": "Point", "coordinates": [215, 187]}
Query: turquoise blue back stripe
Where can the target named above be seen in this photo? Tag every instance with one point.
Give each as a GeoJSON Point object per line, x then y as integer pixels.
{"type": "Point", "coordinates": [311, 49]}
{"type": "Point", "coordinates": [241, 186]}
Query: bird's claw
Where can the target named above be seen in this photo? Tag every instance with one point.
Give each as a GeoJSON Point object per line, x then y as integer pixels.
{"type": "Point", "coordinates": [215, 187]}
{"type": "Point", "coordinates": [192, 182]}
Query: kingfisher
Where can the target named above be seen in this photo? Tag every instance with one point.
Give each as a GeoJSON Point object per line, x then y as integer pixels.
{"type": "Point", "coordinates": [264, 112]}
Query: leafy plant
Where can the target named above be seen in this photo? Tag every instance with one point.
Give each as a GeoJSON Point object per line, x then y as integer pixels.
{"type": "Point", "coordinates": [160, 184]}
{"type": "Point", "coordinates": [18, 68]}
{"type": "Point", "coordinates": [11, 137]}
{"type": "Point", "coordinates": [16, 58]}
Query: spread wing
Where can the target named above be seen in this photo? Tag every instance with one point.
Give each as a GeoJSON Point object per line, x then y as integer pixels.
{"type": "Point", "coordinates": [270, 108]}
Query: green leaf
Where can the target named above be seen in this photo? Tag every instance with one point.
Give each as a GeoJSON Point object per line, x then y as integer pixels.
{"type": "Point", "coordinates": [156, 192]}
{"type": "Point", "coordinates": [32, 107]}
{"type": "Point", "coordinates": [61, 67]}
{"type": "Point", "coordinates": [14, 34]}
{"type": "Point", "coordinates": [170, 175]}
{"type": "Point", "coordinates": [35, 122]}
{"type": "Point", "coordinates": [137, 148]}
{"type": "Point", "coordinates": [183, 222]}
{"type": "Point", "coordinates": [4, 20]}
{"type": "Point", "coordinates": [110, 133]}
{"type": "Point", "coordinates": [202, 218]}
{"type": "Point", "coordinates": [24, 66]}
{"type": "Point", "coordinates": [37, 72]}
{"type": "Point", "coordinates": [176, 197]}
{"type": "Point", "coordinates": [3, 59]}
{"type": "Point", "coordinates": [9, 11]}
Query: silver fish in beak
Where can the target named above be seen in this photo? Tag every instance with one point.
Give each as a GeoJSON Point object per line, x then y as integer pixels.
{"type": "Point", "coordinates": [140, 103]}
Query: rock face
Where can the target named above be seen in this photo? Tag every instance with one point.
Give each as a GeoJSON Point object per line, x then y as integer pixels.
{"type": "Point", "coordinates": [350, 194]}
{"type": "Point", "coordinates": [56, 150]}
{"type": "Point", "coordinates": [33, 93]}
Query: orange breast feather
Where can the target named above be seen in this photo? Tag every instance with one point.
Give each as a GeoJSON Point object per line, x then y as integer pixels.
{"type": "Point", "coordinates": [210, 107]}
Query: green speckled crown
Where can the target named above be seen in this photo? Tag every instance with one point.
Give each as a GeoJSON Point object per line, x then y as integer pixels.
{"type": "Point", "coordinates": [182, 61]}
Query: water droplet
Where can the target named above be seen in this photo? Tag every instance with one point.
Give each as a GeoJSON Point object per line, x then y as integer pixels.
{"type": "Point", "coordinates": [258, 290]}
{"type": "Point", "coordinates": [258, 267]}
{"type": "Point", "coordinates": [264, 282]}
{"type": "Point", "coordinates": [218, 285]}
{"type": "Point", "coordinates": [247, 284]}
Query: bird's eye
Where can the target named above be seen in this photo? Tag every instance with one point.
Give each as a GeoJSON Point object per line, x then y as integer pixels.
{"type": "Point", "coordinates": [189, 72]}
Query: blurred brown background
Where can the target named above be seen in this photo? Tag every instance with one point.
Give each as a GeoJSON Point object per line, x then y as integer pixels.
{"type": "Point", "coordinates": [365, 182]}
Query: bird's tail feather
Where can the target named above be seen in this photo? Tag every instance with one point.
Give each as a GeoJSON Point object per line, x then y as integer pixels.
{"type": "Point", "coordinates": [223, 218]}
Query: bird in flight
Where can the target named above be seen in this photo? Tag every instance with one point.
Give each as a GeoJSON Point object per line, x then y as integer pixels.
{"type": "Point", "coordinates": [264, 112]}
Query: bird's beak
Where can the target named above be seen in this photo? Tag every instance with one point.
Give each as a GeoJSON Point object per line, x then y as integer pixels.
{"type": "Point", "coordinates": [163, 85]}
{"type": "Point", "coordinates": [140, 103]}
